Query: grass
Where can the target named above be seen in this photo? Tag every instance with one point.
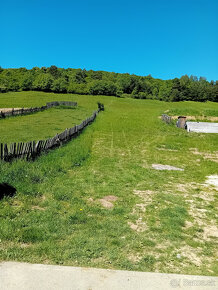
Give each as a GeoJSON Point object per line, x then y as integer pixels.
{"type": "Point", "coordinates": [57, 216]}
{"type": "Point", "coordinates": [195, 111]}
{"type": "Point", "coordinates": [41, 125]}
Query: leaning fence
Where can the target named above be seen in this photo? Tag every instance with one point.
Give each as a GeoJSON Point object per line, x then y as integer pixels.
{"type": "Point", "coordinates": [30, 150]}
{"type": "Point", "coordinates": [26, 111]}
{"type": "Point", "coordinates": [167, 119]}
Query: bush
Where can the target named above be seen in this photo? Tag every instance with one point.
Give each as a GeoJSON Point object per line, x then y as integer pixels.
{"type": "Point", "coordinates": [77, 89]}
{"type": "Point", "coordinates": [107, 88]}
{"type": "Point", "coordinates": [59, 86]}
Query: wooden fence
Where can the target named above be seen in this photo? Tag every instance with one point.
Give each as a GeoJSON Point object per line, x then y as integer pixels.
{"type": "Point", "coordinates": [25, 111]}
{"type": "Point", "coordinates": [60, 103]}
{"type": "Point", "coordinates": [30, 150]}
{"type": "Point", "coordinates": [167, 119]}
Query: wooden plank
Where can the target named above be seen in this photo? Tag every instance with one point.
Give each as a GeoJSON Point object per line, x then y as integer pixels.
{"type": "Point", "coordinates": [21, 149]}
{"type": "Point", "coordinates": [46, 145]}
{"type": "Point", "coordinates": [36, 147]}
{"type": "Point", "coordinates": [5, 152]}
{"type": "Point", "coordinates": [11, 149]}
{"type": "Point", "coordinates": [24, 150]}
{"type": "Point", "coordinates": [1, 151]}
{"type": "Point", "coordinates": [14, 150]}
{"type": "Point", "coordinates": [43, 145]}
{"type": "Point", "coordinates": [17, 150]}
{"type": "Point", "coordinates": [28, 150]}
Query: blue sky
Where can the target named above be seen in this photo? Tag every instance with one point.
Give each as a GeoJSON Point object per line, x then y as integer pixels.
{"type": "Point", "coordinates": [164, 38]}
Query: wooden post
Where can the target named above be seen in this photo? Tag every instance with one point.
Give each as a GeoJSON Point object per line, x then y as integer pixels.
{"type": "Point", "coordinates": [181, 123]}
{"type": "Point", "coordinates": [1, 152]}
{"type": "Point", "coordinates": [5, 152]}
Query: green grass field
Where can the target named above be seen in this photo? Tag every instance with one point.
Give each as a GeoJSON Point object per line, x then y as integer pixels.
{"type": "Point", "coordinates": [97, 201]}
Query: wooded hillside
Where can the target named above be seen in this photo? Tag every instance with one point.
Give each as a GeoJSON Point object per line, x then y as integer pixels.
{"type": "Point", "coordinates": [78, 81]}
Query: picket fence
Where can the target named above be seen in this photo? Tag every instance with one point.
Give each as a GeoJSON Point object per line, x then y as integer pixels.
{"type": "Point", "coordinates": [25, 111]}
{"type": "Point", "coordinates": [30, 150]}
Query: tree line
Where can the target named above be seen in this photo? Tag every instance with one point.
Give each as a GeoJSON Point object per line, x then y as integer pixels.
{"type": "Point", "coordinates": [78, 81]}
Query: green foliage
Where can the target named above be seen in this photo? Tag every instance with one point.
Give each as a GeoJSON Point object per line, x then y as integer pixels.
{"type": "Point", "coordinates": [107, 88]}
{"type": "Point", "coordinates": [78, 81]}
{"type": "Point", "coordinates": [59, 85]}
{"type": "Point", "coordinates": [43, 82]}
{"type": "Point", "coordinates": [53, 70]}
{"type": "Point", "coordinates": [80, 76]}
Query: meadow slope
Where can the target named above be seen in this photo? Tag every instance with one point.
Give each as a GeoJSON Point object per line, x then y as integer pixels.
{"type": "Point", "coordinates": [98, 202]}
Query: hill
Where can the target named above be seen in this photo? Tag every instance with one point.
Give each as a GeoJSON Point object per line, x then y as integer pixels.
{"type": "Point", "coordinates": [99, 201]}
{"type": "Point", "coordinates": [78, 81]}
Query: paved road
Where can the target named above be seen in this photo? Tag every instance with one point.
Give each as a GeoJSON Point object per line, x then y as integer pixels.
{"type": "Point", "coordinates": [47, 277]}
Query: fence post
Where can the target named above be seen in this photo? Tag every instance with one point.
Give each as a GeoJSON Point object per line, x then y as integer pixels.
{"type": "Point", "coordinates": [1, 152]}
{"type": "Point", "coordinates": [181, 122]}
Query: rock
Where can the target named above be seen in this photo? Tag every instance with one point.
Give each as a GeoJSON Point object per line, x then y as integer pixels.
{"type": "Point", "coordinates": [166, 167]}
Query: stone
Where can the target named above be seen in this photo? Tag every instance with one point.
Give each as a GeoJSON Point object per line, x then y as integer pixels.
{"type": "Point", "coordinates": [166, 167]}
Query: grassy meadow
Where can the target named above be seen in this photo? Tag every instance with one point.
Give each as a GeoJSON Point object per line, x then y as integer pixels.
{"type": "Point", "coordinates": [97, 201]}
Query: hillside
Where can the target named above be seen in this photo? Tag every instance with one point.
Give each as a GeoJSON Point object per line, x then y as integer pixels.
{"type": "Point", "coordinates": [98, 200]}
{"type": "Point", "coordinates": [78, 81]}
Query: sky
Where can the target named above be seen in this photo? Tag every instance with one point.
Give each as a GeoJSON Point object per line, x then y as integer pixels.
{"type": "Point", "coordinates": [164, 38]}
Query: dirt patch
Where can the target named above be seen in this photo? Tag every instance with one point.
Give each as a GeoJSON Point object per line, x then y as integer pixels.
{"type": "Point", "coordinates": [206, 155]}
{"type": "Point", "coordinates": [212, 180]}
{"type": "Point", "coordinates": [146, 196]}
{"type": "Point", "coordinates": [199, 215]}
{"type": "Point", "coordinates": [36, 207]}
{"type": "Point", "coordinates": [17, 203]}
{"type": "Point", "coordinates": [107, 201]}
{"type": "Point", "coordinates": [140, 208]}
{"type": "Point", "coordinates": [143, 193]}
{"type": "Point", "coordinates": [188, 224]}
{"type": "Point", "coordinates": [90, 199]}
{"type": "Point", "coordinates": [165, 149]}
{"type": "Point", "coordinates": [106, 204]}
{"type": "Point", "coordinates": [194, 118]}
{"type": "Point", "coordinates": [134, 258]}
{"type": "Point", "coordinates": [138, 226]}
{"type": "Point", "coordinates": [165, 167]}
{"type": "Point", "coordinates": [192, 254]}
{"type": "Point", "coordinates": [181, 187]}
{"type": "Point", "coordinates": [25, 245]}
{"type": "Point", "coordinates": [210, 231]}
{"type": "Point", "coordinates": [206, 196]}
{"type": "Point", "coordinates": [110, 198]}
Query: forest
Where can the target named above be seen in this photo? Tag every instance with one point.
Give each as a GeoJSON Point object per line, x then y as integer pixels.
{"type": "Point", "coordinates": [81, 81]}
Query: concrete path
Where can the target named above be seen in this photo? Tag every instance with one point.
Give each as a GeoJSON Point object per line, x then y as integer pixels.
{"type": "Point", "coordinates": [46, 277]}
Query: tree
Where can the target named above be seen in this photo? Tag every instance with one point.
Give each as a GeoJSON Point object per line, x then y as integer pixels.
{"type": "Point", "coordinates": [43, 82]}
{"type": "Point", "coordinates": [96, 75]}
{"type": "Point", "coordinates": [59, 86]}
{"type": "Point", "coordinates": [80, 76]}
{"type": "Point", "coordinates": [53, 70]}
{"type": "Point", "coordinates": [103, 88]}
